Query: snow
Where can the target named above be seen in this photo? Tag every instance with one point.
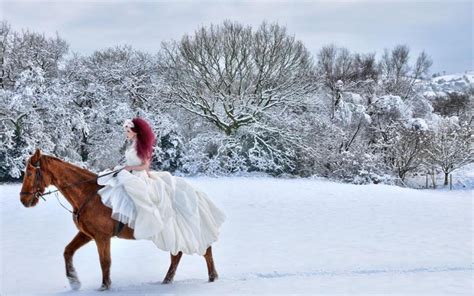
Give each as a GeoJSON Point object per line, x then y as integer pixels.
{"type": "Point", "coordinates": [468, 76]}
{"type": "Point", "coordinates": [441, 85]}
{"type": "Point", "coordinates": [285, 236]}
{"type": "Point", "coordinates": [418, 124]}
{"type": "Point", "coordinates": [393, 105]}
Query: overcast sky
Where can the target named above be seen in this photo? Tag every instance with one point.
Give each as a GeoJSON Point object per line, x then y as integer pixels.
{"type": "Point", "coordinates": [443, 29]}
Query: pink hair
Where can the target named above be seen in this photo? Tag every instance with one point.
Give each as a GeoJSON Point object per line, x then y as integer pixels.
{"type": "Point", "coordinates": [146, 138]}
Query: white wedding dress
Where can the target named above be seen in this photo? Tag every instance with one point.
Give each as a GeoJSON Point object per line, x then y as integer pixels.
{"type": "Point", "coordinates": [161, 207]}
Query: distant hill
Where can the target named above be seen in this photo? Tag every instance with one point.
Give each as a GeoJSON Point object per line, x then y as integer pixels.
{"type": "Point", "coordinates": [441, 85]}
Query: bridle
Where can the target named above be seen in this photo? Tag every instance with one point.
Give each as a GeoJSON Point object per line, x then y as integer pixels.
{"type": "Point", "coordinates": [37, 193]}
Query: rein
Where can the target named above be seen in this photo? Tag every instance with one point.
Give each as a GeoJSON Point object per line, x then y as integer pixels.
{"type": "Point", "coordinates": [38, 194]}
{"type": "Point", "coordinates": [76, 214]}
{"type": "Point", "coordinates": [73, 184]}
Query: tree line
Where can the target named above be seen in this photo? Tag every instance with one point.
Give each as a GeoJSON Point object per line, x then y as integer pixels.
{"type": "Point", "coordinates": [229, 99]}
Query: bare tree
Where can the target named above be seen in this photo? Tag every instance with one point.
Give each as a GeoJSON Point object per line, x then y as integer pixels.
{"type": "Point", "coordinates": [230, 75]}
{"type": "Point", "coordinates": [450, 146]}
{"type": "Point", "coordinates": [365, 67]}
{"type": "Point", "coordinates": [340, 71]}
{"type": "Point", "coordinates": [398, 75]}
{"type": "Point", "coordinates": [335, 64]}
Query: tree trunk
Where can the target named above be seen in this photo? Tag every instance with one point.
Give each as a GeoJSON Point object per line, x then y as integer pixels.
{"type": "Point", "coordinates": [446, 179]}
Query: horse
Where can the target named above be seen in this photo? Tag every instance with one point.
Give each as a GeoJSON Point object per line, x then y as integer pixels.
{"type": "Point", "coordinates": [91, 217]}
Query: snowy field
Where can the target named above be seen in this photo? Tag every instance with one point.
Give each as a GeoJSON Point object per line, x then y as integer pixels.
{"type": "Point", "coordinates": [281, 236]}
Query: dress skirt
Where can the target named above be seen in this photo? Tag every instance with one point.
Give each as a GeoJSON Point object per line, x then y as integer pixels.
{"type": "Point", "coordinates": [162, 208]}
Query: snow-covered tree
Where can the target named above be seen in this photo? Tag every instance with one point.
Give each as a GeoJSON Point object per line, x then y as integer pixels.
{"type": "Point", "coordinates": [405, 146]}
{"type": "Point", "coordinates": [231, 75]}
{"type": "Point", "coordinates": [230, 99]}
{"type": "Point", "coordinates": [450, 145]}
{"type": "Point", "coordinates": [28, 120]}
{"type": "Point", "coordinates": [107, 87]}
{"type": "Point", "coordinates": [28, 50]}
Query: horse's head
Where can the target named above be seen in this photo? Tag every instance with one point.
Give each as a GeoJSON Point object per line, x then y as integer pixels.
{"type": "Point", "coordinates": [35, 180]}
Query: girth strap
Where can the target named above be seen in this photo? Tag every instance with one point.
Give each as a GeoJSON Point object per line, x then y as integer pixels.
{"type": "Point", "coordinates": [77, 213]}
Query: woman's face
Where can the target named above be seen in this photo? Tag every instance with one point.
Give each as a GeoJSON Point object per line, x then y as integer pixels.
{"type": "Point", "coordinates": [130, 134]}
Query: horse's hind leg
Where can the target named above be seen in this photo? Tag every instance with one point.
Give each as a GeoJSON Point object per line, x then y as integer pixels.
{"type": "Point", "coordinates": [173, 266]}
{"type": "Point", "coordinates": [211, 269]}
{"type": "Point", "coordinates": [78, 241]}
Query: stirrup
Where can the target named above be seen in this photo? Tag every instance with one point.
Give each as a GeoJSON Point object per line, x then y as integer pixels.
{"type": "Point", "coordinates": [118, 228]}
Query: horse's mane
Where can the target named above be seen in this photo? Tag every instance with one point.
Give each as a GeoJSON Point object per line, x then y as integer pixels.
{"type": "Point", "coordinates": [75, 168]}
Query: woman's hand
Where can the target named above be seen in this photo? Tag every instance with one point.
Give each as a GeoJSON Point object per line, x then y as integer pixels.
{"type": "Point", "coordinates": [128, 168]}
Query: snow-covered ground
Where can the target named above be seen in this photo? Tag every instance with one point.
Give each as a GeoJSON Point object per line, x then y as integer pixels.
{"type": "Point", "coordinates": [281, 236]}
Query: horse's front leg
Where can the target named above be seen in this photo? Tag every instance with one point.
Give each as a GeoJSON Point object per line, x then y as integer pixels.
{"type": "Point", "coordinates": [78, 241]}
{"type": "Point", "coordinates": [103, 246]}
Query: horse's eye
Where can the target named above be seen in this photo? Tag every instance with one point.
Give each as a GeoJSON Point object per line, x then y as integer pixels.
{"type": "Point", "coordinates": [28, 174]}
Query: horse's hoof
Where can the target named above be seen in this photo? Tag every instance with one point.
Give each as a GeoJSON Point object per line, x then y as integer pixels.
{"type": "Point", "coordinates": [166, 282]}
{"type": "Point", "coordinates": [74, 283]}
{"type": "Point", "coordinates": [103, 288]}
{"type": "Point", "coordinates": [213, 277]}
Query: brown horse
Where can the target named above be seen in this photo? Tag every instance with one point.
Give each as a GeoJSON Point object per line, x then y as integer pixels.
{"type": "Point", "coordinates": [92, 218]}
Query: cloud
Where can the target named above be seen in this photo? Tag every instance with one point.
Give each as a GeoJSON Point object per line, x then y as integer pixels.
{"type": "Point", "coordinates": [442, 28]}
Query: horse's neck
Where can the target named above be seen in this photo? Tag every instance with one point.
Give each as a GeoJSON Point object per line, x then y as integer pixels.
{"type": "Point", "coordinates": [64, 175]}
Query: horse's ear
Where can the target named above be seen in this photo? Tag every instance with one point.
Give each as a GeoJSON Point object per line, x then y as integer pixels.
{"type": "Point", "coordinates": [36, 156]}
